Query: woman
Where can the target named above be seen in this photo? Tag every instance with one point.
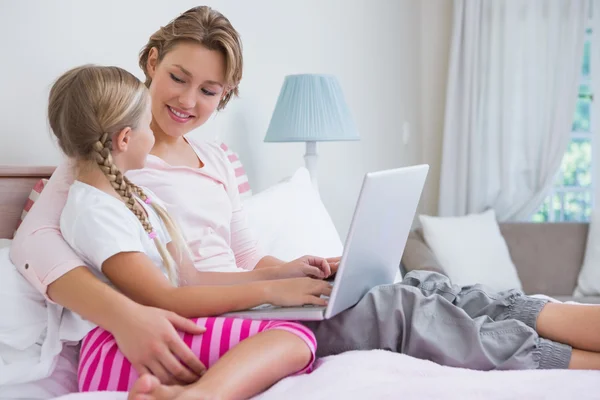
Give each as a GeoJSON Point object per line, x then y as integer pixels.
{"type": "Point", "coordinates": [193, 67]}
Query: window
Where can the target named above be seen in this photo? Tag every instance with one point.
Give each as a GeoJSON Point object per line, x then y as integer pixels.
{"type": "Point", "coordinates": [571, 198]}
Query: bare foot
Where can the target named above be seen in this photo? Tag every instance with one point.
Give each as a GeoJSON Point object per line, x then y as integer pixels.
{"type": "Point", "coordinates": [148, 387]}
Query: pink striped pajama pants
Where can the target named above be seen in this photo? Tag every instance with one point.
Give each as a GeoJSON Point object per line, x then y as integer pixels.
{"type": "Point", "coordinates": [103, 367]}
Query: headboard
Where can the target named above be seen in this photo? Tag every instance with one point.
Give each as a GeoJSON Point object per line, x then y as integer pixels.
{"type": "Point", "coordinates": [15, 185]}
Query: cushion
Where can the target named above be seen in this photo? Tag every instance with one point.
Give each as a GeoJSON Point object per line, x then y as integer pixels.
{"type": "Point", "coordinates": [471, 250]}
{"type": "Point", "coordinates": [588, 281]}
{"type": "Point", "coordinates": [548, 256]}
{"type": "Point", "coordinates": [418, 256]}
{"type": "Point", "coordinates": [21, 305]}
{"type": "Point", "coordinates": [291, 221]}
{"type": "Point", "coordinates": [33, 196]}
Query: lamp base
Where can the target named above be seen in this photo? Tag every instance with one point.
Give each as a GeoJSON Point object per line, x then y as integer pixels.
{"type": "Point", "coordinates": [310, 160]}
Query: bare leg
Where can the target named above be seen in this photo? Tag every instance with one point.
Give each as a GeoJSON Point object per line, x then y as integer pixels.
{"type": "Point", "coordinates": [575, 325]}
{"type": "Point", "coordinates": [251, 367]}
{"type": "Point", "coordinates": [581, 359]}
{"type": "Point", "coordinates": [244, 371]}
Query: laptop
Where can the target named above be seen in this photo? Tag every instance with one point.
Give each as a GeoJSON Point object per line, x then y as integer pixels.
{"type": "Point", "coordinates": [382, 220]}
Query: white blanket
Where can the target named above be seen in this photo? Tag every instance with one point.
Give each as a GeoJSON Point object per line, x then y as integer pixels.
{"type": "Point", "coordinates": [378, 374]}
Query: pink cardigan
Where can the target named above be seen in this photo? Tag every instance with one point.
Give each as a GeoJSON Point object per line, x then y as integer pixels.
{"type": "Point", "coordinates": [204, 201]}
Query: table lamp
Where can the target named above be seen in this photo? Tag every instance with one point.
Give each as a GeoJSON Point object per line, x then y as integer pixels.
{"type": "Point", "coordinates": [311, 108]}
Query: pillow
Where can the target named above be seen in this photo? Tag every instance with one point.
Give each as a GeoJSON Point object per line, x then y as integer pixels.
{"type": "Point", "coordinates": [418, 256]}
{"type": "Point", "coordinates": [21, 305]}
{"type": "Point", "coordinates": [588, 282]}
{"type": "Point", "coordinates": [471, 250]}
{"type": "Point", "coordinates": [291, 221]}
{"type": "Point", "coordinates": [24, 320]}
{"type": "Point", "coordinates": [33, 196]}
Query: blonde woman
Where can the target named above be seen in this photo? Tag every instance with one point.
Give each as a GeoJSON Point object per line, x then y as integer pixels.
{"type": "Point", "coordinates": [150, 337]}
{"type": "Point", "coordinates": [193, 66]}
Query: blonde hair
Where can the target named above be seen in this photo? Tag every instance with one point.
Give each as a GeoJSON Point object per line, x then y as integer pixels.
{"type": "Point", "coordinates": [87, 106]}
{"type": "Point", "coordinates": [209, 28]}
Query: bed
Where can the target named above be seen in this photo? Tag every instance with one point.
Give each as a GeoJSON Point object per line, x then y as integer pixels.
{"type": "Point", "coordinates": [359, 374]}
{"type": "Point", "coordinates": [15, 186]}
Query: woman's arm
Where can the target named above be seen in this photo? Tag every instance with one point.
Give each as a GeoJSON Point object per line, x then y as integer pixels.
{"type": "Point", "coordinates": [41, 254]}
{"type": "Point", "coordinates": [146, 336]}
{"type": "Point", "coordinates": [143, 282]}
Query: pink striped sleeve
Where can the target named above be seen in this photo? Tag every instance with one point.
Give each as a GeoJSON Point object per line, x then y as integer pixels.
{"type": "Point", "coordinates": [244, 242]}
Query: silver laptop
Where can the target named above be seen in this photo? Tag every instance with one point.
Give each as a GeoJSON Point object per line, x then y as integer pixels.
{"type": "Point", "coordinates": [381, 223]}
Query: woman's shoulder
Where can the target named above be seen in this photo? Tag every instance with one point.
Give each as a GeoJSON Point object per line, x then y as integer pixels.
{"type": "Point", "coordinates": [211, 149]}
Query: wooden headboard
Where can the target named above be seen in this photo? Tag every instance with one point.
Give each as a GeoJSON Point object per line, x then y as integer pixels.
{"type": "Point", "coordinates": [15, 185]}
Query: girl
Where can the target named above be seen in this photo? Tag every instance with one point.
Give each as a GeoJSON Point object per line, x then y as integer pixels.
{"type": "Point", "coordinates": [193, 66]}
{"type": "Point", "coordinates": [101, 118]}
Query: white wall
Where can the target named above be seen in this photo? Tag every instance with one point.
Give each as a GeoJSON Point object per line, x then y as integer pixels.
{"type": "Point", "coordinates": [373, 47]}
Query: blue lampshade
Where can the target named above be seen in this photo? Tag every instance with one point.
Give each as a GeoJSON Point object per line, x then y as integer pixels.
{"type": "Point", "coordinates": [311, 108]}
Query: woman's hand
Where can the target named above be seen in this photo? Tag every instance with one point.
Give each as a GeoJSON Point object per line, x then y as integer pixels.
{"type": "Point", "coordinates": [297, 292]}
{"type": "Point", "coordinates": [149, 340]}
{"type": "Point", "coordinates": [307, 266]}
{"type": "Point", "coordinates": [334, 264]}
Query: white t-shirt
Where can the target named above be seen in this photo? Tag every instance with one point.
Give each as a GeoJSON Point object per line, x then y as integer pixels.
{"type": "Point", "coordinates": [98, 226]}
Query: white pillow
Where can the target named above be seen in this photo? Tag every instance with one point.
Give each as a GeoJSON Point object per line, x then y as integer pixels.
{"type": "Point", "coordinates": [291, 221]}
{"type": "Point", "coordinates": [471, 250]}
{"type": "Point", "coordinates": [24, 364]}
{"type": "Point", "coordinates": [22, 307]}
{"type": "Point", "coordinates": [588, 283]}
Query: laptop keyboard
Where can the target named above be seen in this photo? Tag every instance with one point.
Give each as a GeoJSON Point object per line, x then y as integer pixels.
{"type": "Point", "coordinates": [271, 307]}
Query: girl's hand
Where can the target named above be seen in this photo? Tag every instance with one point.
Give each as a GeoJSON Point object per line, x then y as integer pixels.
{"type": "Point", "coordinates": [149, 340]}
{"type": "Point", "coordinates": [307, 266]}
{"type": "Point", "coordinates": [297, 292]}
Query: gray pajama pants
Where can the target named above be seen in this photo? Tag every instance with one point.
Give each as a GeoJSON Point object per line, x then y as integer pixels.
{"type": "Point", "coordinates": [427, 317]}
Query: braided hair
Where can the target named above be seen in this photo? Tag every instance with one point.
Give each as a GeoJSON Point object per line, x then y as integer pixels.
{"type": "Point", "coordinates": [87, 106]}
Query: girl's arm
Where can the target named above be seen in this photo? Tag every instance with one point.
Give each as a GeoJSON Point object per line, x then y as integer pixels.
{"type": "Point", "coordinates": [136, 276]}
{"type": "Point", "coordinates": [189, 275]}
{"type": "Point", "coordinates": [269, 261]}
{"type": "Point", "coordinates": [305, 266]}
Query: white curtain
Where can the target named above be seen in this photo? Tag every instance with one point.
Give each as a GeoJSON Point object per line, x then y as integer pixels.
{"type": "Point", "coordinates": [515, 68]}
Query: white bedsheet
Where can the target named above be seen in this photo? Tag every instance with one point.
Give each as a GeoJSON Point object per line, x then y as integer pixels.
{"type": "Point", "coordinates": [378, 374]}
